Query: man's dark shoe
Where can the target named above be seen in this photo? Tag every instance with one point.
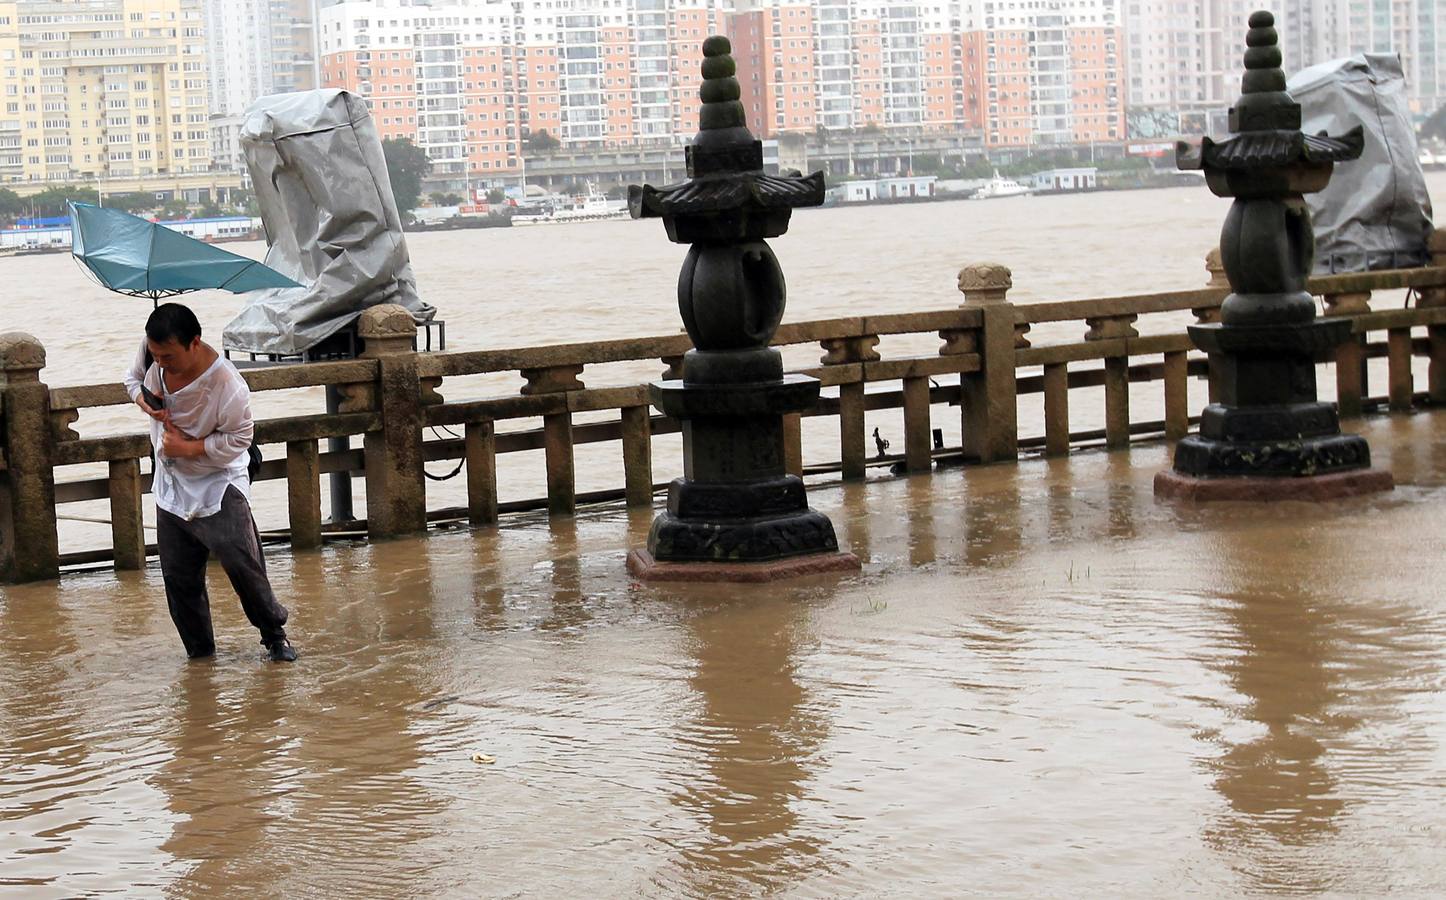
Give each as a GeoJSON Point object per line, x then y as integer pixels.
{"type": "Point", "coordinates": [281, 651]}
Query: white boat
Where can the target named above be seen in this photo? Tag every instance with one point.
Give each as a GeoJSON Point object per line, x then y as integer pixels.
{"type": "Point", "coordinates": [592, 208]}
{"type": "Point", "coordinates": [999, 186]}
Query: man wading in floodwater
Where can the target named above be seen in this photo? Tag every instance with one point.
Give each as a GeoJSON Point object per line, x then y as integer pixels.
{"type": "Point", "coordinates": [201, 430]}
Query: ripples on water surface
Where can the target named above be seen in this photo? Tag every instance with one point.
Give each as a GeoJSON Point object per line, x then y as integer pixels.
{"type": "Point", "coordinates": [1043, 683]}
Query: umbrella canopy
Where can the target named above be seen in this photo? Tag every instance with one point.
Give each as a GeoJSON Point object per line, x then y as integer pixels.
{"type": "Point", "coordinates": [131, 255]}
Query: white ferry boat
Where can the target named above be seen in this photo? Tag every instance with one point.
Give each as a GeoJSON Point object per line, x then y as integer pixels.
{"type": "Point", "coordinates": [593, 207]}
{"type": "Point", "coordinates": [999, 186]}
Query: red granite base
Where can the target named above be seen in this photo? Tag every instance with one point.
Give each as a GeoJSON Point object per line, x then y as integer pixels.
{"type": "Point", "coordinates": [1334, 486]}
{"type": "Point", "coordinates": [643, 567]}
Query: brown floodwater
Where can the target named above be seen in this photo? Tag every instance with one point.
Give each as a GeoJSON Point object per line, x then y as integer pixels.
{"type": "Point", "coordinates": [1043, 683]}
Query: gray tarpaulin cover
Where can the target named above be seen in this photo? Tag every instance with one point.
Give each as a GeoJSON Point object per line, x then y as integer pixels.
{"type": "Point", "coordinates": [326, 202]}
{"type": "Point", "coordinates": [1375, 214]}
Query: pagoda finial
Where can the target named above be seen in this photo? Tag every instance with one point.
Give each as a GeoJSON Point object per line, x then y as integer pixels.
{"type": "Point", "coordinates": [1264, 103]}
{"type": "Point", "coordinates": [723, 143]}
{"type": "Point", "coordinates": [1262, 56]}
{"type": "Point", "coordinates": [720, 91]}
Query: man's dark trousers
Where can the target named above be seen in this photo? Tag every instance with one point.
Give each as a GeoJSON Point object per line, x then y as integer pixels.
{"type": "Point", "coordinates": [230, 534]}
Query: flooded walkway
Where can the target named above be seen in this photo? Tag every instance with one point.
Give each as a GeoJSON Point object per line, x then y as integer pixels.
{"type": "Point", "coordinates": [1043, 682]}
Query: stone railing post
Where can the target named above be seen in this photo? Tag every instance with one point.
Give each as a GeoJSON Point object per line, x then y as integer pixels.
{"type": "Point", "coordinates": [557, 434]}
{"type": "Point", "coordinates": [1436, 334]}
{"type": "Point", "coordinates": [852, 440]}
{"type": "Point", "coordinates": [1205, 315]}
{"type": "Point", "coordinates": [1215, 267]}
{"type": "Point", "coordinates": [1352, 385]}
{"type": "Point", "coordinates": [29, 545]}
{"type": "Point", "coordinates": [990, 410]}
{"type": "Point", "coordinates": [396, 486]}
{"type": "Point", "coordinates": [1119, 329]}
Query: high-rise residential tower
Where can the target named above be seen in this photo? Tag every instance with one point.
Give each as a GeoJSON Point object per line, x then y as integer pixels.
{"type": "Point", "coordinates": [102, 88]}
{"type": "Point", "coordinates": [472, 80]}
{"type": "Point", "coordinates": [1043, 71]}
{"type": "Point", "coordinates": [1183, 58]}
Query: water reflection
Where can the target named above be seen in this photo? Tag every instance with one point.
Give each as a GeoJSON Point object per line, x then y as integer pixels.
{"type": "Point", "coordinates": [1119, 478]}
{"type": "Point", "coordinates": [569, 608]}
{"type": "Point", "coordinates": [757, 734]}
{"type": "Point", "coordinates": [223, 782]}
{"type": "Point", "coordinates": [304, 775]}
{"type": "Point", "coordinates": [992, 526]}
{"type": "Point", "coordinates": [1275, 775]}
{"type": "Point", "coordinates": [852, 523]}
{"type": "Point", "coordinates": [1276, 780]}
{"type": "Point", "coordinates": [1059, 497]}
{"type": "Point", "coordinates": [920, 498]}
{"type": "Point", "coordinates": [43, 751]}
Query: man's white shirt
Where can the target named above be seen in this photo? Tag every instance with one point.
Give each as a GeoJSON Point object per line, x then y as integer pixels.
{"type": "Point", "coordinates": [217, 408]}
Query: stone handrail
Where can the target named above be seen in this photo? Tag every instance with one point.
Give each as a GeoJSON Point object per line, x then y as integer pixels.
{"type": "Point", "coordinates": [393, 393]}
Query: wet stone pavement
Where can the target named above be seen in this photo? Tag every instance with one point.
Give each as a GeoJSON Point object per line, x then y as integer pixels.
{"type": "Point", "coordinates": [1044, 682]}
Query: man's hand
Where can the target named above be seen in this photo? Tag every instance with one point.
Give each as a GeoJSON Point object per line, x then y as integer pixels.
{"type": "Point", "coordinates": [158, 414]}
{"type": "Point", "coordinates": [176, 444]}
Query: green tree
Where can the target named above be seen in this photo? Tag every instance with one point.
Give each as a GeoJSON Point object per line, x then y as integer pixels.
{"type": "Point", "coordinates": [135, 202]}
{"type": "Point", "coordinates": [175, 209]}
{"type": "Point", "coordinates": [541, 140]}
{"type": "Point", "coordinates": [930, 164]}
{"type": "Point", "coordinates": [407, 165]}
{"type": "Point", "coordinates": [977, 167]}
{"type": "Point", "coordinates": [243, 202]}
{"type": "Point", "coordinates": [1435, 125]}
{"type": "Point", "coordinates": [496, 195]}
{"type": "Point", "coordinates": [52, 201]}
{"type": "Point", "coordinates": [11, 206]}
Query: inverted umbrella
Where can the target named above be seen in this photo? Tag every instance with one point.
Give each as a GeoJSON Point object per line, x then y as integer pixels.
{"type": "Point", "coordinates": [134, 256]}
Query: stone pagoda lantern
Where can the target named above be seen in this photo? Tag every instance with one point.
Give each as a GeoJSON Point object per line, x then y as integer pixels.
{"type": "Point", "coordinates": [1268, 437]}
{"type": "Point", "coordinates": [736, 514]}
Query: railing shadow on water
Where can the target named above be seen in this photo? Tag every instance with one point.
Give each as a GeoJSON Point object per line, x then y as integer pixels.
{"type": "Point", "coordinates": [392, 395]}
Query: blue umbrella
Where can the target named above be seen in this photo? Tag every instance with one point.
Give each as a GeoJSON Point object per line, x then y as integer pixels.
{"type": "Point", "coordinates": [131, 255]}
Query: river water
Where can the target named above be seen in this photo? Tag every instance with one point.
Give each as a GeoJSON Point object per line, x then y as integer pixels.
{"type": "Point", "coordinates": [1042, 683]}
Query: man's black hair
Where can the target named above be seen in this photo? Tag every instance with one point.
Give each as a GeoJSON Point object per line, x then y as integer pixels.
{"type": "Point", "coordinates": [173, 321]}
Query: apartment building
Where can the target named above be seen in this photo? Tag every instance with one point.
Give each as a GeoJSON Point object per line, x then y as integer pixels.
{"type": "Point", "coordinates": [1021, 71]}
{"type": "Point", "coordinates": [1185, 58]}
{"type": "Point", "coordinates": [293, 44]}
{"type": "Point", "coordinates": [1314, 31]}
{"type": "Point", "coordinates": [238, 48]}
{"type": "Point", "coordinates": [471, 80]}
{"type": "Point", "coordinates": [102, 88]}
{"type": "Point", "coordinates": [1042, 71]}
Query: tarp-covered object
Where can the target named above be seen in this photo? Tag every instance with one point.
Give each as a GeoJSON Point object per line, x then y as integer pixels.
{"type": "Point", "coordinates": [135, 256]}
{"type": "Point", "coordinates": [1375, 214]}
{"type": "Point", "coordinates": [326, 202]}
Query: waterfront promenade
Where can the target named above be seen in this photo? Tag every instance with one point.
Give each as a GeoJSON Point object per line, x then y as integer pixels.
{"type": "Point", "coordinates": [1044, 682]}
{"type": "Point", "coordinates": [985, 359]}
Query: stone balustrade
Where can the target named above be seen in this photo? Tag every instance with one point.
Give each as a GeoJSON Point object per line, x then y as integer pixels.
{"type": "Point", "coordinates": [392, 394]}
